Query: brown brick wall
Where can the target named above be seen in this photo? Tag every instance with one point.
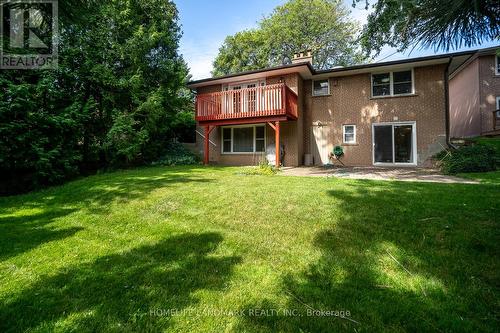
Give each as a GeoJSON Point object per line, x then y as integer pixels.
{"type": "Point", "coordinates": [350, 102]}
{"type": "Point", "coordinates": [489, 88]}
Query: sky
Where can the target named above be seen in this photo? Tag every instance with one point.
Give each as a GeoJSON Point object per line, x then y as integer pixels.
{"type": "Point", "coordinates": [206, 23]}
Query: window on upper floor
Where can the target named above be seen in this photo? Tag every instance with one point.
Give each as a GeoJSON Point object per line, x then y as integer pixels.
{"type": "Point", "coordinates": [497, 64]}
{"type": "Point", "coordinates": [321, 87]}
{"type": "Point", "coordinates": [392, 83]}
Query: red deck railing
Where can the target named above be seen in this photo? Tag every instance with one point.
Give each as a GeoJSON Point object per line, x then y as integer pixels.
{"type": "Point", "coordinates": [271, 100]}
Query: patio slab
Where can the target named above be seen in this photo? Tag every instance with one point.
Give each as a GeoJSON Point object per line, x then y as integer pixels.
{"type": "Point", "coordinates": [376, 173]}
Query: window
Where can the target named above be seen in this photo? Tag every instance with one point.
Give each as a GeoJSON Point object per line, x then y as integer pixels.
{"type": "Point", "coordinates": [321, 87]}
{"type": "Point", "coordinates": [260, 138]}
{"type": "Point", "coordinates": [243, 139]}
{"type": "Point", "coordinates": [392, 83]}
{"type": "Point", "coordinates": [226, 139]}
{"type": "Point", "coordinates": [497, 64]}
{"type": "Point", "coordinates": [381, 84]}
{"type": "Point", "coordinates": [349, 133]}
{"type": "Point", "coordinates": [498, 108]}
{"type": "Point", "coordinates": [402, 83]}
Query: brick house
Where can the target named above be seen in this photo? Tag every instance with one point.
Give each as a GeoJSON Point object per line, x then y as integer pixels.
{"type": "Point", "coordinates": [475, 96]}
{"type": "Point", "coordinates": [391, 114]}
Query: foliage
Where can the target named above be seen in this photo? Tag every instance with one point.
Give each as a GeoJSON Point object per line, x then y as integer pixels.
{"type": "Point", "coordinates": [493, 142]}
{"type": "Point", "coordinates": [116, 99]}
{"type": "Point", "coordinates": [263, 169]}
{"type": "Point", "coordinates": [116, 251]}
{"type": "Point", "coordinates": [243, 51]}
{"type": "Point", "coordinates": [442, 24]}
{"type": "Point", "coordinates": [322, 26]}
{"type": "Point", "coordinates": [176, 154]}
{"type": "Point", "coordinates": [124, 140]}
{"type": "Point", "coordinates": [477, 158]}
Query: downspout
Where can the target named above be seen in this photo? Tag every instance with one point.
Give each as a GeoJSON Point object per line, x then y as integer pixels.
{"type": "Point", "coordinates": [447, 104]}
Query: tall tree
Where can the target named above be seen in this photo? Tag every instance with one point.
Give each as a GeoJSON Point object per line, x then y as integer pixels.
{"type": "Point", "coordinates": [441, 24]}
{"type": "Point", "coordinates": [323, 26]}
{"type": "Point", "coordinates": [116, 98]}
{"type": "Point", "coordinates": [245, 50]}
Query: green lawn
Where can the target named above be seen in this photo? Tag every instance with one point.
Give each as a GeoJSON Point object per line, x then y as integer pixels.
{"type": "Point", "coordinates": [492, 177]}
{"type": "Point", "coordinates": [116, 252]}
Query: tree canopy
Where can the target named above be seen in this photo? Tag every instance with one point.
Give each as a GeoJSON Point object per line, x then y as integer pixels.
{"type": "Point", "coordinates": [441, 24]}
{"type": "Point", "coordinates": [323, 26]}
{"type": "Point", "coordinates": [117, 97]}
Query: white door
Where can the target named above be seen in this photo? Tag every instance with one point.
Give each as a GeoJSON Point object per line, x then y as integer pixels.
{"type": "Point", "coordinates": [320, 144]}
{"type": "Point", "coordinates": [244, 97]}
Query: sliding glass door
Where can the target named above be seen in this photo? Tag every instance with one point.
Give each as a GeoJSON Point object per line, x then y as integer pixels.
{"type": "Point", "coordinates": [394, 143]}
{"type": "Point", "coordinates": [382, 136]}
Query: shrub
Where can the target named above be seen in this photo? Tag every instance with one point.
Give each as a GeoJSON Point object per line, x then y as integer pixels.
{"type": "Point", "coordinates": [477, 158]}
{"type": "Point", "coordinates": [176, 154]}
{"type": "Point", "coordinates": [264, 169]}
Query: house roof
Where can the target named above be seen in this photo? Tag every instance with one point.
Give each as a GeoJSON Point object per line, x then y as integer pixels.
{"type": "Point", "coordinates": [479, 53]}
{"type": "Point", "coordinates": [308, 72]}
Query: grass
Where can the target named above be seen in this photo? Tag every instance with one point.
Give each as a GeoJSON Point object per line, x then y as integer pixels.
{"type": "Point", "coordinates": [209, 249]}
{"type": "Point", "coordinates": [492, 177]}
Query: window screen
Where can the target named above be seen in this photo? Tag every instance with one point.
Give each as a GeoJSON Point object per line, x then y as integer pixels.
{"type": "Point", "coordinates": [402, 82]}
{"type": "Point", "coordinates": [243, 139]}
{"type": "Point", "coordinates": [259, 139]}
{"type": "Point", "coordinates": [226, 138]}
{"type": "Point", "coordinates": [381, 84]}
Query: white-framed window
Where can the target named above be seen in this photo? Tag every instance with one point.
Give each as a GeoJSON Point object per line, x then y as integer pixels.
{"type": "Point", "coordinates": [497, 114]}
{"type": "Point", "coordinates": [243, 139]}
{"type": "Point", "coordinates": [321, 87]}
{"type": "Point", "coordinates": [497, 64]}
{"type": "Point", "coordinates": [394, 83]}
{"type": "Point", "coordinates": [349, 133]}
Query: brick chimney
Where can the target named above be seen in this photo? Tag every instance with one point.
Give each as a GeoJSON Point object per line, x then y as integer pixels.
{"type": "Point", "coordinates": [302, 57]}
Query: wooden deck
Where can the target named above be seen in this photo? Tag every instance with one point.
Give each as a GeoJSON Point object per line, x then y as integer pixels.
{"type": "Point", "coordinates": [276, 102]}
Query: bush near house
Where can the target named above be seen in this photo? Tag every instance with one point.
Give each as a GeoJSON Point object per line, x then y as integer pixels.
{"type": "Point", "coordinates": [176, 154]}
{"type": "Point", "coordinates": [490, 142]}
{"type": "Point", "coordinates": [475, 158]}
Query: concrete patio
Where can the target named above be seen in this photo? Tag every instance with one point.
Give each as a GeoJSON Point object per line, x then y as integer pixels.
{"type": "Point", "coordinates": [377, 173]}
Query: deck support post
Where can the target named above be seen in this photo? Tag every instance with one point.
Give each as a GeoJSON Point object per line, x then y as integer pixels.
{"type": "Point", "coordinates": [277, 139]}
{"type": "Point", "coordinates": [206, 149]}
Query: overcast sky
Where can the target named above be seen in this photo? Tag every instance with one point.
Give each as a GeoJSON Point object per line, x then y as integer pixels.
{"type": "Point", "coordinates": [205, 24]}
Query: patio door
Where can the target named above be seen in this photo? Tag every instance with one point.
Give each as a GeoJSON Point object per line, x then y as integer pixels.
{"type": "Point", "coordinates": [244, 97]}
{"type": "Point", "coordinates": [394, 143]}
